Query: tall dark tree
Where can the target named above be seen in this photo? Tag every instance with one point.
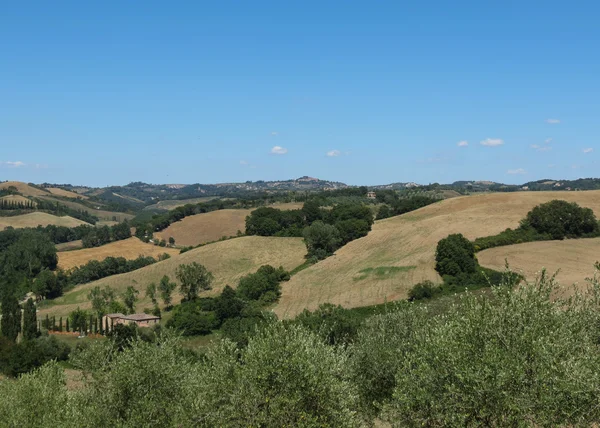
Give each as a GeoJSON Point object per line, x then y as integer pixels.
{"type": "Point", "coordinates": [30, 330]}
{"type": "Point", "coordinates": [193, 278]}
{"type": "Point", "coordinates": [11, 317]}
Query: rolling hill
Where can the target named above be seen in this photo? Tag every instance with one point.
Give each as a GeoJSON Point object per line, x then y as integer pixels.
{"type": "Point", "coordinates": [65, 193]}
{"type": "Point", "coordinates": [227, 260]}
{"type": "Point", "coordinates": [129, 248]}
{"type": "Point", "coordinates": [38, 218]}
{"type": "Point", "coordinates": [400, 251]}
{"type": "Point", "coordinates": [24, 188]}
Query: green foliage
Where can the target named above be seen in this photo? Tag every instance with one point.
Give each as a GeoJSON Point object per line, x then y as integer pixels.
{"type": "Point", "coordinates": [103, 300]}
{"type": "Point", "coordinates": [422, 290]}
{"type": "Point", "coordinates": [192, 320]}
{"type": "Point", "coordinates": [455, 255]}
{"type": "Point", "coordinates": [94, 269]}
{"type": "Point", "coordinates": [78, 320]}
{"type": "Point", "coordinates": [166, 288]}
{"type": "Point", "coordinates": [556, 219]}
{"type": "Point", "coordinates": [266, 279]}
{"type": "Point", "coordinates": [29, 354]}
{"type": "Point", "coordinates": [10, 324]}
{"type": "Point", "coordinates": [562, 219]}
{"type": "Point", "coordinates": [336, 325]}
{"type": "Point", "coordinates": [30, 330]}
{"type": "Point", "coordinates": [384, 212]}
{"type": "Point", "coordinates": [28, 254]}
{"type": "Point", "coordinates": [193, 278]}
{"type": "Point", "coordinates": [129, 299]}
{"type": "Point", "coordinates": [321, 239]}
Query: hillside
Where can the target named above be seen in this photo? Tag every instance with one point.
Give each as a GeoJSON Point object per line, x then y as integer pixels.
{"type": "Point", "coordinates": [208, 227]}
{"type": "Point", "coordinates": [129, 248]}
{"type": "Point", "coordinates": [65, 193]}
{"type": "Point", "coordinates": [405, 245]}
{"type": "Point", "coordinates": [227, 260]}
{"type": "Point", "coordinates": [574, 257]}
{"type": "Point", "coordinates": [38, 218]}
{"type": "Point", "coordinates": [101, 214]}
{"type": "Point", "coordinates": [15, 199]}
{"type": "Point", "coordinates": [24, 188]}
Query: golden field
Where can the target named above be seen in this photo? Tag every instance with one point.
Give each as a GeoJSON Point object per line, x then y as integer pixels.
{"type": "Point", "coordinates": [38, 218]}
{"type": "Point", "coordinates": [128, 248]}
{"type": "Point", "coordinates": [227, 260]}
{"type": "Point", "coordinates": [407, 243]}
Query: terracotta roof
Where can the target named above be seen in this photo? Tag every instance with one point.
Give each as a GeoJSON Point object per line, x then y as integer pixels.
{"type": "Point", "coordinates": [114, 315]}
{"type": "Point", "coordinates": [140, 317]}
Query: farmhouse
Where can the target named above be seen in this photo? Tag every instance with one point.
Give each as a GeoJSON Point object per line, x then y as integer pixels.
{"type": "Point", "coordinates": [371, 195]}
{"type": "Point", "coordinates": [141, 320]}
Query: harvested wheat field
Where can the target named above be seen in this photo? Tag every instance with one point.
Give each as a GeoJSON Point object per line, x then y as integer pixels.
{"type": "Point", "coordinates": [69, 246]}
{"type": "Point", "coordinates": [16, 199]}
{"type": "Point", "coordinates": [400, 251]}
{"type": "Point", "coordinates": [574, 257]}
{"type": "Point", "coordinates": [208, 227]}
{"type": "Point", "coordinates": [65, 193]}
{"type": "Point", "coordinates": [38, 218]}
{"type": "Point", "coordinates": [24, 188]}
{"type": "Point", "coordinates": [227, 260]}
{"type": "Point", "coordinates": [129, 248]}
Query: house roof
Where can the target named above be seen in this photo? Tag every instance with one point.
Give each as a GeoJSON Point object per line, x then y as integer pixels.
{"type": "Point", "coordinates": [140, 317]}
{"type": "Point", "coordinates": [114, 315]}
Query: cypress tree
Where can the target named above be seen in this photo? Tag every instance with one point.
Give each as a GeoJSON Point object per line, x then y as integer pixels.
{"type": "Point", "coordinates": [29, 321]}
{"type": "Point", "coordinates": [60, 325]}
{"type": "Point", "coordinates": [96, 325]}
{"type": "Point", "coordinates": [67, 325]}
{"type": "Point", "coordinates": [91, 323]}
{"type": "Point", "coordinates": [11, 317]}
{"type": "Point", "coordinates": [53, 323]}
{"type": "Point", "coordinates": [47, 322]}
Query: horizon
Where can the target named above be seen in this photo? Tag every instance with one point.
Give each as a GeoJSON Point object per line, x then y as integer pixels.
{"type": "Point", "coordinates": [113, 93]}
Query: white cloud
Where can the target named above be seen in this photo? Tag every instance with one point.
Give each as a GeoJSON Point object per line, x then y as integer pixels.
{"type": "Point", "coordinates": [333, 153]}
{"type": "Point", "coordinates": [548, 140]}
{"type": "Point", "coordinates": [588, 150]}
{"type": "Point", "coordinates": [516, 171]}
{"type": "Point", "coordinates": [462, 143]}
{"type": "Point", "coordinates": [274, 133]}
{"type": "Point", "coordinates": [243, 162]}
{"type": "Point", "coordinates": [278, 150]}
{"type": "Point", "coordinates": [553, 121]}
{"type": "Point", "coordinates": [13, 164]}
{"type": "Point", "coordinates": [540, 148]}
{"type": "Point", "coordinates": [492, 142]}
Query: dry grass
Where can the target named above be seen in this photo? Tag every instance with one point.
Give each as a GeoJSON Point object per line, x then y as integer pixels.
{"type": "Point", "coordinates": [65, 193]}
{"type": "Point", "coordinates": [227, 260]}
{"type": "Point", "coordinates": [574, 257]}
{"type": "Point", "coordinates": [17, 199]}
{"type": "Point", "coordinates": [209, 227]}
{"type": "Point", "coordinates": [38, 218]}
{"type": "Point", "coordinates": [23, 188]}
{"type": "Point", "coordinates": [172, 204]}
{"type": "Point", "coordinates": [129, 248]}
{"type": "Point", "coordinates": [410, 240]}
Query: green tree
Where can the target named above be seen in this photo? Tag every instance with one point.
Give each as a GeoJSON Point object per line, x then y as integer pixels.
{"type": "Point", "coordinates": [193, 278]}
{"type": "Point", "coordinates": [561, 219]}
{"type": "Point", "coordinates": [384, 212]}
{"type": "Point", "coordinates": [455, 255]}
{"type": "Point", "coordinates": [130, 296]}
{"type": "Point", "coordinates": [101, 299]}
{"type": "Point", "coordinates": [30, 330]}
{"type": "Point", "coordinates": [10, 325]}
{"type": "Point", "coordinates": [151, 292]}
{"type": "Point", "coordinates": [171, 241]}
{"type": "Point", "coordinates": [166, 288]}
{"type": "Point", "coordinates": [321, 239]}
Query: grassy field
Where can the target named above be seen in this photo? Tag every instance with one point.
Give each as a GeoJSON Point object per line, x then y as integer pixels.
{"type": "Point", "coordinates": [38, 218]}
{"type": "Point", "coordinates": [209, 227]}
{"type": "Point", "coordinates": [23, 188]}
{"type": "Point", "coordinates": [574, 257]}
{"type": "Point", "coordinates": [227, 260]}
{"type": "Point", "coordinates": [129, 248]}
{"type": "Point", "coordinates": [65, 193]}
{"type": "Point", "coordinates": [101, 214]}
{"type": "Point", "coordinates": [408, 242]}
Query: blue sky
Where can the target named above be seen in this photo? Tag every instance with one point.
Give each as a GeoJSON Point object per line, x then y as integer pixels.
{"type": "Point", "coordinates": [102, 93]}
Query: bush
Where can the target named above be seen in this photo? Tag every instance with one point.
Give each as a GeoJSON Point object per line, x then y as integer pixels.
{"type": "Point", "coordinates": [562, 219]}
{"type": "Point", "coordinates": [321, 239]}
{"type": "Point", "coordinates": [422, 290]}
{"type": "Point", "coordinates": [25, 356]}
{"type": "Point", "coordinates": [455, 255]}
{"type": "Point", "coordinates": [191, 320]}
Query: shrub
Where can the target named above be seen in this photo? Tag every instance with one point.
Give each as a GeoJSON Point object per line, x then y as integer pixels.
{"type": "Point", "coordinates": [422, 290]}
{"type": "Point", "coordinates": [561, 219]}
{"type": "Point", "coordinates": [455, 255]}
